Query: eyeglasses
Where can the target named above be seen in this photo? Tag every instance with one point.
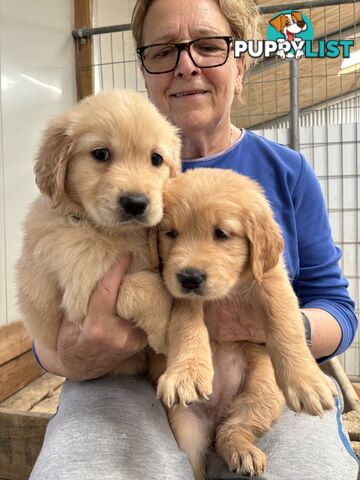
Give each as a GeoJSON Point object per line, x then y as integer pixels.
{"type": "Point", "coordinates": [204, 52]}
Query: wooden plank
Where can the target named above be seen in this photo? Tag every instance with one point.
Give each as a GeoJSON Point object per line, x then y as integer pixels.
{"type": "Point", "coordinates": [357, 388]}
{"type": "Point", "coordinates": [17, 373]}
{"type": "Point", "coordinates": [21, 438]}
{"type": "Point", "coordinates": [41, 395]}
{"type": "Point", "coordinates": [49, 404]}
{"type": "Point", "coordinates": [14, 341]}
{"type": "Point", "coordinates": [83, 49]}
{"type": "Point", "coordinates": [23, 420]}
{"type": "Point", "coordinates": [352, 423]}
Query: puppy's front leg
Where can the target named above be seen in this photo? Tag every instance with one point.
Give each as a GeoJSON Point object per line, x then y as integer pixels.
{"type": "Point", "coordinates": [298, 375]}
{"type": "Point", "coordinates": [189, 373]}
{"type": "Point", "coordinates": [144, 300]}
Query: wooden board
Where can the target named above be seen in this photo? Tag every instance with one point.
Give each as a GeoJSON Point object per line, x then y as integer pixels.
{"type": "Point", "coordinates": [41, 395]}
{"type": "Point", "coordinates": [14, 341]}
{"type": "Point", "coordinates": [17, 364]}
{"type": "Point", "coordinates": [17, 373]}
{"type": "Point", "coordinates": [21, 437]}
{"type": "Point", "coordinates": [23, 420]}
{"type": "Point", "coordinates": [356, 388]}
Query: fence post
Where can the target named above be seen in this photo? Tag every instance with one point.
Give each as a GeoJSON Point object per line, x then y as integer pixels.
{"type": "Point", "coordinates": [83, 49]}
{"type": "Point", "coordinates": [294, 106]}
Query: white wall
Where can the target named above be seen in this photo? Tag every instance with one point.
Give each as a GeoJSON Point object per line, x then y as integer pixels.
{"type": "Point", "coordinates": [37, 81]}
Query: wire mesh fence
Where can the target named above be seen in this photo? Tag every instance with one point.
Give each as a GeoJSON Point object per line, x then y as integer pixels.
{"type": "Point", "coordinates": [329, 113]}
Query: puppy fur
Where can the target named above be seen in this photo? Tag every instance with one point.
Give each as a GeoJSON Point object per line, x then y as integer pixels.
{"type": "Point", "coordinates": [106, 148]}
{"type": "Point", "coordinates": [219, 228]}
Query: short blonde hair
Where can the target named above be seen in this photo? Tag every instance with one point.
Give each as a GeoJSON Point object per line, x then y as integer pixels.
{"type": "Point", "coordinates": [242, 15]}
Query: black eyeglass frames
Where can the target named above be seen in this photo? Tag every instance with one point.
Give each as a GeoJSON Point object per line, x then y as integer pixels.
{"type": "Point", "coordinates": [206, 52]}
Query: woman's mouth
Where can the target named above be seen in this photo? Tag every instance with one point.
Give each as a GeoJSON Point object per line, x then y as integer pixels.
{"type": "Point", "coordinates": [189, 93]}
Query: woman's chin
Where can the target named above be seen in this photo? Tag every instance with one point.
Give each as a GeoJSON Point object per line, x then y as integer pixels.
{"type": "Point", "coordinates": [191, 121]}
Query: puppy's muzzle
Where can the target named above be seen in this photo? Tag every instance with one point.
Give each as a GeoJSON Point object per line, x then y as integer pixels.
{"type": "Point", "coordinates": [191, 280]}
{"type": "Point", "coordinates": [134, 205]}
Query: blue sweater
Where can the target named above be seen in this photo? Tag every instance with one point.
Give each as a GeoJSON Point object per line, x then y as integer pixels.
{"type": "Point", "coordinates": [294, 192]}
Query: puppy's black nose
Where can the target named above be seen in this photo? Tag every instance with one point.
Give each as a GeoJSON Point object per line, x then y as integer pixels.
{"type": "Point", "coordinates": [134, 204]}
{"type": "Point", "coordinates": [301, 24]}
{"type": "Point", "coordinates": [191, 279]}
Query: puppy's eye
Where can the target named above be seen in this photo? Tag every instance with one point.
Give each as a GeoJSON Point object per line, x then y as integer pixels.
{"type": "Point", "coordinates": [220, 234]}
{"type": "Point", "coordinates": [171, 233]}
{"type": "Point", "coordinates": [101, 155]}
{"type": "Point", "coordinates": [157, 160]}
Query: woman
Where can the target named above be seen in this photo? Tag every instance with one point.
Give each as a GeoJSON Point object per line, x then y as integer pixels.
{"type": "Point", "coordinates": [113, 427]}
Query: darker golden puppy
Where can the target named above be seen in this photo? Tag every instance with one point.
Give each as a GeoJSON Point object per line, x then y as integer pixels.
{"type": "Point", "coordinates": [219, 240]}
{"type": "Point", "coordinates": [101, 170]}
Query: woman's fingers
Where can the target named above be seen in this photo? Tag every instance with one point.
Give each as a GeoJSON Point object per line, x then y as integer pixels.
{"type": "Point", "coordinates": [104, 296]}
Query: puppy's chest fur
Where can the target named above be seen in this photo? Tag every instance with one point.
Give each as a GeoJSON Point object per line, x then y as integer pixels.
{"type": "Point", "coordinates": [68, 239]}
{"type": "Point", "coordinates": [230, 365]}
{"type": "Point", "coordinates": [231, 361]}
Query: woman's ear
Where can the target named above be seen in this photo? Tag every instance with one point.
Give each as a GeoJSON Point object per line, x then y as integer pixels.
{"type": "Point", "coordinates": [52, 159]}
{"type": "Point", "coordinates": [143, 72]}
{"type": "Point", "coordinates": [240, 69]}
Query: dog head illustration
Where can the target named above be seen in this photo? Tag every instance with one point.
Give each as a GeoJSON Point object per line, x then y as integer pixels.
{"type": "Point", "coordinates": [289, 24]}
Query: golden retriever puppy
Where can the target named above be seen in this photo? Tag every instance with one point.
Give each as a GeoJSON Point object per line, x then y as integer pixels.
{"type": "Point", "coordinates": [218, 240]}
{"type": "Point", "coordinates": [101, 169]}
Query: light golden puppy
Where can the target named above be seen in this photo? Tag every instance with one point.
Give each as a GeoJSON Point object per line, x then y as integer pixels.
{"type": "Point", "coordinates": [101, 170]}
{"type": "Point", "coordinates": [219, 240]}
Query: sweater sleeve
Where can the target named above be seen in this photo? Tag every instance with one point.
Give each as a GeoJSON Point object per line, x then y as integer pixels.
{"type": "Point", "coordinates": [320, 283]}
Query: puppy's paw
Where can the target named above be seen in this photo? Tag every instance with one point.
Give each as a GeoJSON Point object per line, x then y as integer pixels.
{"type": "Point", "coordinates": [244, 459]}
{"type": "Point", "coordinates": [124, 307]}
{"type": "Point", "coordinates": [185, 384]}
{"type": "Point", "coordinates": [312, 393]}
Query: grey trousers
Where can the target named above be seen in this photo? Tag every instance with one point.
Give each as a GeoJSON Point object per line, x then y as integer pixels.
{"type": "Point", "coordinates": [116, 429]}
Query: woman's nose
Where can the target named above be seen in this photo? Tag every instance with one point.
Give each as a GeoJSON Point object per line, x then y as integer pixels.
{"type": "Point", "coordinates": [186, 67]}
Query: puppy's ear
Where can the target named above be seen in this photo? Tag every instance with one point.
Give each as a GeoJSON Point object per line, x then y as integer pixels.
{"type": "Point", "coordinates": [277, 23]}
{"type": "Point", "coordinates": [174, 154]}
{"type": "Point", "coordinates": [52, 159]}
{"type": "Point", "coordinates": [297, 15]}
{"type": "Point", "coordinates": [153, 247]}
{"type": "Point", "coordinates": [266, 242]}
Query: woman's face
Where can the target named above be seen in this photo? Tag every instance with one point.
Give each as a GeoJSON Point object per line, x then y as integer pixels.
{"type": "Point", "coordinates": [209, 92]}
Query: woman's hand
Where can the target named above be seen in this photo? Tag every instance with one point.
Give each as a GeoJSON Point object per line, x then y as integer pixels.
{"type": "Point", "coordinates": [228, 322]}
{"type": "Point", "coordinates": [103, 341]}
